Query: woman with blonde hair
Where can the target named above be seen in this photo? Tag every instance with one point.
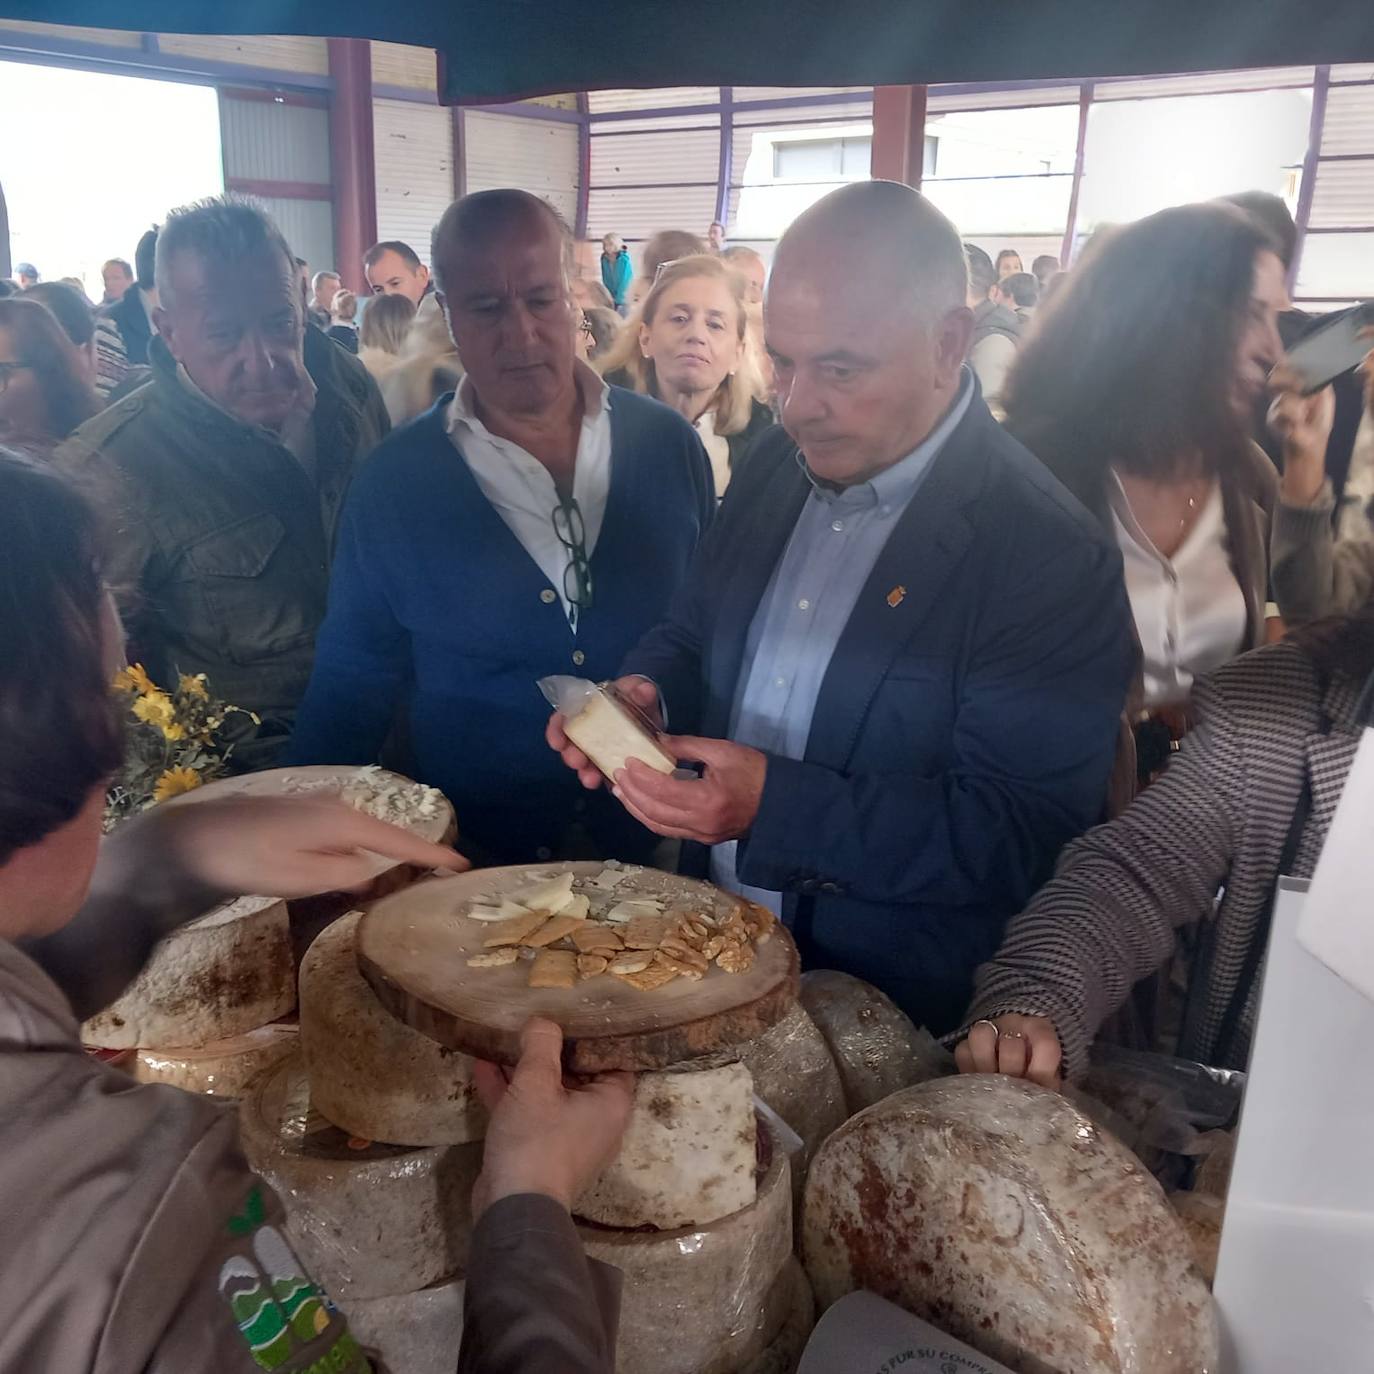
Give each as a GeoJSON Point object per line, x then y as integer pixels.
{"type": "Point", "coordinates": [687, 345]}
{"type": "Point", "coordinates": [385, 329]}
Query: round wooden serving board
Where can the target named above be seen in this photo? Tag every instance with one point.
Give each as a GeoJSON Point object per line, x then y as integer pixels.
{"type": "Point", "coordinates": [413, 948]}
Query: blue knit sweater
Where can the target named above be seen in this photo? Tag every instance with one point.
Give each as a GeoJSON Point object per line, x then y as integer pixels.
{"type": "Point", "coordinates": [435, 605]}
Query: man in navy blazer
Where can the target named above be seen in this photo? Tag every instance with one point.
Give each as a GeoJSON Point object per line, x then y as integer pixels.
{"type": "Point", "coordinates": [904, 649]}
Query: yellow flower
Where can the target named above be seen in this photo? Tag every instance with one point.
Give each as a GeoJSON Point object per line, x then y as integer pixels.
{"type": "Point", "coordinates": [134, 679]}
{"type": "Point", "coordinates": [156, 709]}
{"type": "Point", "coordinates": [193, 686]}
{"type": "Point", "coordinates": [174, 782]}
{"type": "Point", "coordinates": [172, 731]}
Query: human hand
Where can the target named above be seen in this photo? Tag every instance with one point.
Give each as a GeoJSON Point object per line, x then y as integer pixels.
{"type": "Point", "coordinates": [637, 690]}
{"type": "Point", "coordinates": [279, 846]}
{"type": "Point", "coordinates": [547, 1135]}
{"type": "Point", "coordinates": [720, 805]}
{"type": "Point", "coordinates": [1303, 423]}
{"type": "Point", "coordinates": [1017, 1046]}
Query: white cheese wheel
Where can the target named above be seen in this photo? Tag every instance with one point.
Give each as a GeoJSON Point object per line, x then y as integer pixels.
{"type": "Point", "coordinates": [688, 1157]}
{"type": "Point", "coordinates": [228, 972]}
{"type": "Point", "coordinates": [1001, 1213]}
{"type": "Point", "coordinates": [784, 1352]}
{"type": "Point", "coordinates": [412, 1333]}
{"type": "Point", "coordinates": [697, 1301]}
{"type": "Point", "coordinates": [223, 1068]}
{"type": "Point", "coordinates": [370, 1220]}
{"type": "Point", "coordinates": [876, 1046]}
{"type": "Point", "coordinates": [370, 1073]}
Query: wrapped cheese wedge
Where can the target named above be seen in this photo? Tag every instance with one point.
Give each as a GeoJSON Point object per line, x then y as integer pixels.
{"type": "Point", "coordinates": [604, 726]}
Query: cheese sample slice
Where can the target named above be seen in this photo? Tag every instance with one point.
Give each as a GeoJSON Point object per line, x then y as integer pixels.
{"type": "Point", "coordinates": [223, 1068]}
{"type": "Point", "coordinates": [228, 972]}
{"type": "Point", "coordinates": [369, 1220]}
{"type": "Point", "coordinates": [412, 1333]}
{"type": "Point", "coordinates": [610, 735]}
{"type": "Point", "coordinates": [999, 1211]}
{"type": "Point", "coordinates": [370, 1073]}
{"type": "Point", "coordinates": [697, 1301]}
{"type": "Point", "coordinates": [688, 1157]}
{"type": "Point", "coordinates": [876, 1047]}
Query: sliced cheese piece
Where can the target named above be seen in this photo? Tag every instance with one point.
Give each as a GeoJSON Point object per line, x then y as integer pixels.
{"type": "Point", "coordinates": [694, 1301]}
{"type": "Point", "coordinates": [370, 1073]}
{"type": "Point", "coordinates": [688, 1157]}
{"type": "Point", "coordinates": [228, 972]}
{"type": "Point", "coordinates": [550, 896]}
{"type": "Point", "coordinates": [875, 1045]}
{"type": "Point", "coordinates": [369, 1220]}
{"type": "Point", "coordinates": [626, 911]}
{"type": "Point", "coordinates": [783, 1353]}
{"type": "Point", "coordinates": [505, 911]}
{"type": "Point", "coordinates": [412, 1333]}
{"type": "Point", "coordinates": [1001, 1212]}
{"type": "Point", "coordinates": [578, 908]}
{"type": "Point", "coordinates": [610, 736]}
{"type": "Point", "coordinates": [223, 1068]}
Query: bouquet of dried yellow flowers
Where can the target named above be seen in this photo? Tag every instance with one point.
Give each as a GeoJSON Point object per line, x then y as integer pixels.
{"type": "Point", "coordinates": [175, 741]}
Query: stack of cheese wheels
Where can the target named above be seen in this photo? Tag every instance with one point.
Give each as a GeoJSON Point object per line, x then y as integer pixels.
{"type": "Point", "coordinates": [999, 1211]}
{"type": "Point", "coordinates": [711, 1297]}
{"type": "Point", "coordinates": [199, 1014]}
{"type": "Point", "coordinates": [412, 1333]}
{"type": "Point", "coordinates": [371, 1219]}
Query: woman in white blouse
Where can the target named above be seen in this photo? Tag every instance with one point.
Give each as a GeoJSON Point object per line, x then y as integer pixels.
{"type": "Point", "coordinates": [1135, 390]}
{"type": "Point", "coordinates": [687, 345]}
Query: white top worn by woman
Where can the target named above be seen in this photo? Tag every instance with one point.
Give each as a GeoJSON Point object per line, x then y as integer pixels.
{"type": "Point", "coordinates": [1189, 610]}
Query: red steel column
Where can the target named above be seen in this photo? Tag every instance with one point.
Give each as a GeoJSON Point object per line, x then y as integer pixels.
{"type": "Point", "coordinates": [353, 158]}
{"type": "Point", "coordinates": [899, 133]}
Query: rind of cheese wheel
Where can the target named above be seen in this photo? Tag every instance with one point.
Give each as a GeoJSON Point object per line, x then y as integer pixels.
{"type": "Point", "coordinates": [223, 1068]}
{"type": "Point", "coordinates": [370, 1073]}
{"type": "Point", "coordinates": [688, 1157]}
{"type": "Point", "coordinates": [697, 1301]}
{"type": "Point", "coordinates": [783, 1353]}
{"type": "Point", "coordinates": [610, 737]}
{"type": "Point", "coordinates": [412, 1333]}
{"type": "Point", "coordinates": [876, 1046]}
{"type": "Point", "coordinates": [999, 1211]}
{"type": "Point", "coordinates": [369, 1220]}
{"type": "Point", "coordinates": [228, 972]}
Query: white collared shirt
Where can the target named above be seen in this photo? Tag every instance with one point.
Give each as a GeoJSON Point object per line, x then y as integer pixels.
{"type": "Point", "coordinates": [521, 489]}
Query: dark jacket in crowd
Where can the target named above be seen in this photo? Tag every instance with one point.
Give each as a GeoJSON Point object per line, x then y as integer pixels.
{"type": "Point", "coordinates": [221, 539]}
{"type": "Point", "coordinates": [437, 612]}
{"type": "Point", "coordinates": [991, 318]}
{"type": "Point", "coordinates": [131, 320]}
{"type": "Point", "coordinates": [966, 725]}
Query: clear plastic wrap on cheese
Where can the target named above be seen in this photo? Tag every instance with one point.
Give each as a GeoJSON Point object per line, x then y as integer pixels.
{"type": "Point", "coordinates": [412, 1333]}
{"type": "Point", "coordinates": [605, 727]}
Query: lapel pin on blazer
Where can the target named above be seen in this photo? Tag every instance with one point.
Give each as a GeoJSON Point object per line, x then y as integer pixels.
{"type": "Point", "coordinates": [896, 596]}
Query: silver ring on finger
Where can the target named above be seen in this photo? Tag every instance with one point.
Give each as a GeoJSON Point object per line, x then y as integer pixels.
{"type": "Point", "coordinates": [992, 1025]}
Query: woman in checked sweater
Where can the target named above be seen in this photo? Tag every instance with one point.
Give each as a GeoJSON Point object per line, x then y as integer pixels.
{"type": "Point", "coordinates": [1250, 796]}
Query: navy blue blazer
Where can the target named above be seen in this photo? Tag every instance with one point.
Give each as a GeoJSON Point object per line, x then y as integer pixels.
{"type": "Point", "coordinates": [966, 726]}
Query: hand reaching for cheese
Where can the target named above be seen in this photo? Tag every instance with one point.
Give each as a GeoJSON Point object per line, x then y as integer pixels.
{"type": "Point", "coordinates": [546, 1135]}
{"type": "Point", "coordinates": [638, 690]}
{"type": "Point", "coordinates": [1017, 1046]}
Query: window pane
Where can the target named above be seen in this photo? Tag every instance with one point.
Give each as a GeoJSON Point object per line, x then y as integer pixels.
{"type": "Point", "coordinates": [856, 157]}
{"type": "Point", "coordinates": [811, 161]}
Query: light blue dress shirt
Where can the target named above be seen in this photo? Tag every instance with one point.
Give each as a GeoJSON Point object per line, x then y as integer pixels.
{"type": "Point", "coordinates": [802, 614]}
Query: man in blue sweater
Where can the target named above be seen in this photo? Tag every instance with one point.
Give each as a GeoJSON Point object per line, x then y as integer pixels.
{"type": "Point", "coordinates": [903, 654]}
{"type": "Point", "coordinates": [536, 521]}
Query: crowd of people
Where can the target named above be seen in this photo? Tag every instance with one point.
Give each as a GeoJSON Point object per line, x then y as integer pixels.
{"type": "Point", "coordinates": [1013, 628]}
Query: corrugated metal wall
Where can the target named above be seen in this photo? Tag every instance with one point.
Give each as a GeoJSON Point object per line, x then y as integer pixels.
{"type": "Point", "coordinates": [537, 155]}
{"type": "Point", "coordinates": [414, 151]}
{"type": "Point", "coordinates": [280, 54]}
{"type": "Point", "coordinates": [399, 64]}
{"type": "Point", "coordinates": [308, 226]}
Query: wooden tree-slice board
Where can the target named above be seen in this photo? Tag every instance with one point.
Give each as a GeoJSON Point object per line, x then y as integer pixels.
{"type": "Point", "coordinates": [413, 948]}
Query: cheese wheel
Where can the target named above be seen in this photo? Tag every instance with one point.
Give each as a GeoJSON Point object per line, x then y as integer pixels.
{"type": "Point", "coordinates": [223, 1068]}
{"type": "Point", "coordinates": [696, 1301]}
{"type": "Point", "coordinates": [370, 1073]}
{"type": "Point", "coordinates": [412, 1333]}
{"type": "Point", "coordinates": [1000, 1212]}
{"type": "Point", "coordinates": [1201, 1216]}
{"type": "Point", "coordinates": [688, 1157]}
{"type": "Point", "coordinates": [370, 1220]}
{"type": "Point", "coordinates": [784, 1352]}
{"type": "Point", "coordinates": [228, 972]}
{"type": "Point", "coordinates": [877, 1048]}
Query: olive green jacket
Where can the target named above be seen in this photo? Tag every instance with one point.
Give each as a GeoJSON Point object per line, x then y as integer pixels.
{"type": "Point", "coordinates": [220, 540]}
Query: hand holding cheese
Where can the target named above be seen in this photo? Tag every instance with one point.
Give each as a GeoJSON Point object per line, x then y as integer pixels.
{"type": "Point", "coordinates": [546, 1136]}
{"type": "Point", "coordinates": [602, 734]}
{"type": "Point", "coordinates": [719, 805]}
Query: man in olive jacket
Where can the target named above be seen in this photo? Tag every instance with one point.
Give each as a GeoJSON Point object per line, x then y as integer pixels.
{"type": "Point", "coordinates": [224, 476]}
